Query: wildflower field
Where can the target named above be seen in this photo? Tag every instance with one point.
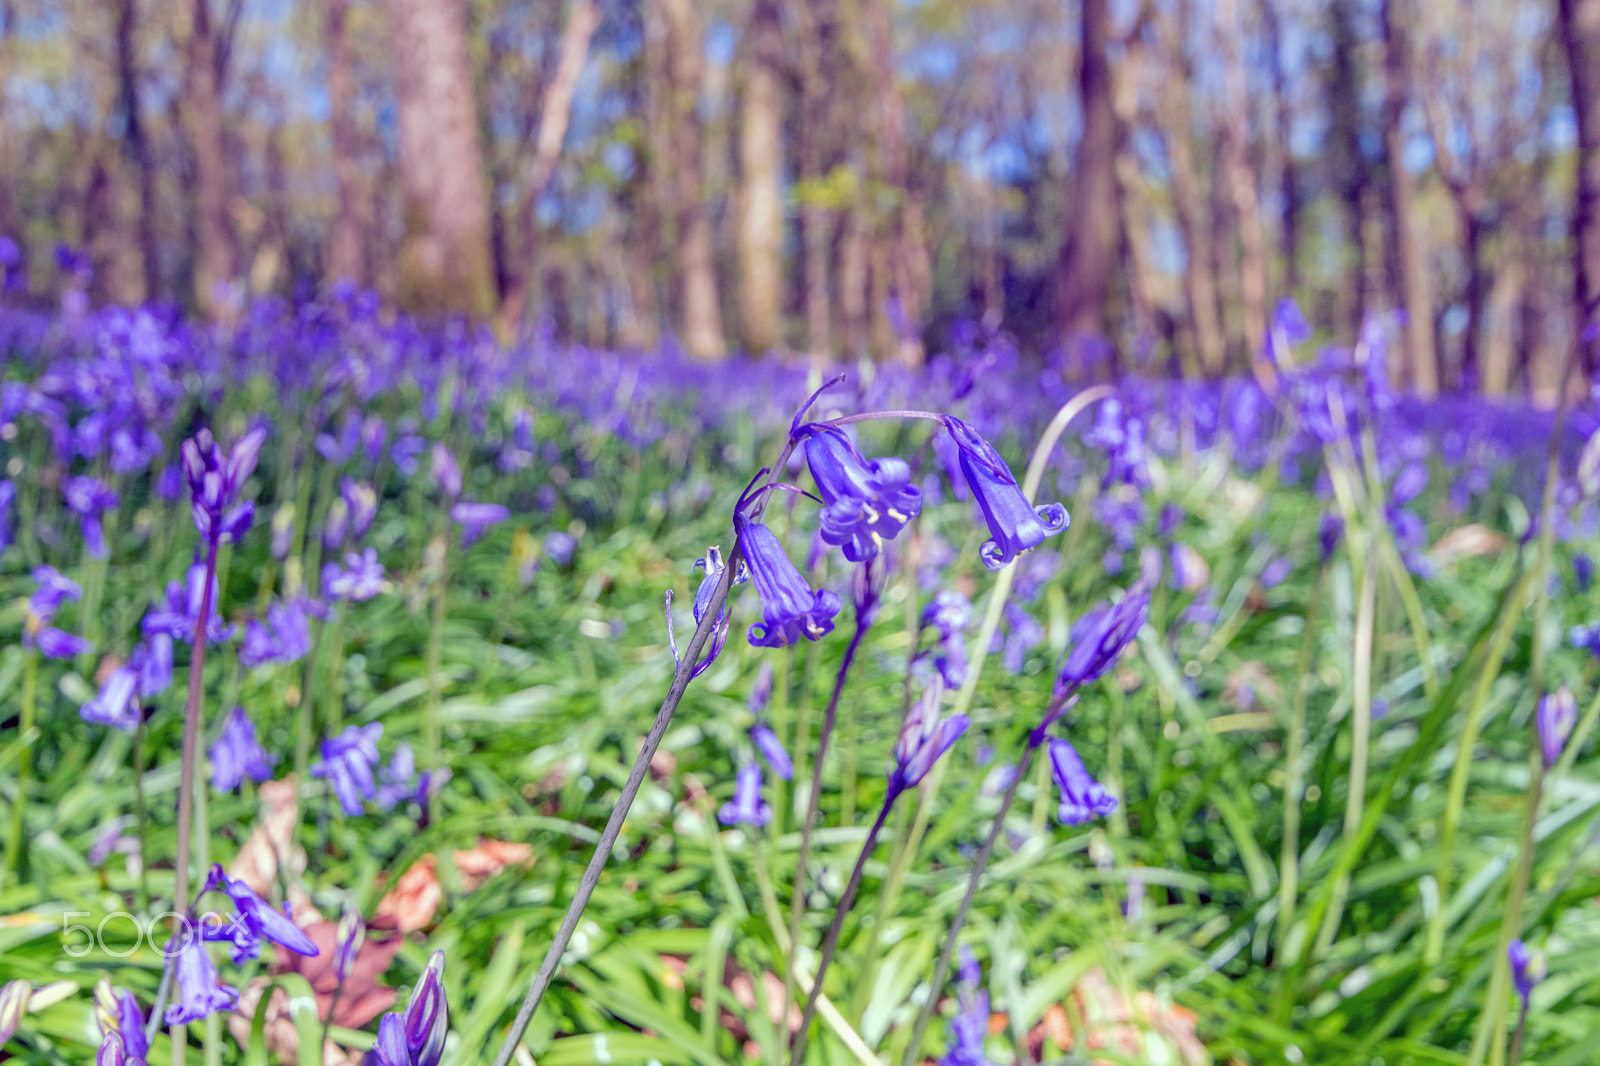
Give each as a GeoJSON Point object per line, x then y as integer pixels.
{"type": "Point", "coordinates": [381, 693]}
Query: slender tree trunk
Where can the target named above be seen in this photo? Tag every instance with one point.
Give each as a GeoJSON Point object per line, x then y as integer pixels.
{"type": "Point", "coordinates": [8, 32]}
{"type": "Point", "coordinates": [853, 280]}
{"type": "Point", "coordinates": [1407, 254]}
{"type": "Point", "coordinates": [1089, 255]}
{"type": "Point", "coordinates": [816, 218]}
{"type": "Point", "coordinates": [697, 273]}
{"type": "Point", "coordinates": [1241, 182]}
{"type": "Point", "coordinates": [215, 264]}
{"type": "Point", "coordinates": [445, 265]}
{"type": "Point", "coordinates": [344, 255]}
{"type": "Point", "coordinates": [1349, 167]}
{"type": "Point", "coordinates": [1580, 35]}
{"type": "Point", "coordinates": [1288, 185]}
{"type": "Point", "coordinates": [761, 192]}
{"type": "Point", "coordinates": [1473, 227]}
{"type": "Point", "coordinates": [136, 145]}
{"type": "Point", "coordinates": [554, 117]}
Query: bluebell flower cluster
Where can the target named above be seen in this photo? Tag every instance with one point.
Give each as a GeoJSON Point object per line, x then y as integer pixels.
{"type": "Point", "coordinates": [416, 1036]}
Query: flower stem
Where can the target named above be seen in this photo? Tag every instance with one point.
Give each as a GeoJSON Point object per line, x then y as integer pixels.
{"type": "Point", "coordinates": [30, 674]}
{"type": "Point", "coordinates": [830, 942]}
{"type": "Point", "coordinates": [430, 723]}
{"type": "Point", "coordinates": [942, 971]}
{"type": "Point", "coordinates": [1289, 859]}
{"type": "Point", "coordinates": [139, 811]}
{"type": "Point", "coordinates": [1491, 1035]}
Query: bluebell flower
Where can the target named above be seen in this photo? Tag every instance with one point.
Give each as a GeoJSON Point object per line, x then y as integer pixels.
{"type": "Point", "coordinates": [746, 807]}
{"type": "Point", "coordinates": [924, 737]}
{"type": "Point", "coordinates": [215, 481]}
{"type": "Point", "coordinates": [116, 704]}
{"type": "Point", "coordinates": [1170, 519]}
{"type": "Point", "coordinates": [374, 432]}
{"type": "Point", "coordinates": [761, 690]}
{"type": "Point", "coordinates": [347, 763]}
{"type": "Point", "coordinates": [118, 1014]}
{"type": "Point", "coordinates": [406, 451]}
{"type": "Point", "coordinates": [970, 1026]}
{"type": "Point", "coordinates": [53, 590]}
{"type": "Point", "coordinates": [256, 921]}
{"type": "Point", "coordinates": [89, 498]}
{"type": "Point", "coordinates": [772, 750]}
{"type": "Point", "coordinates": [1083, 799]}
{"type": "Point", "coordinates": [8, 493]}
{"type": "Point", "coordinates": [336, 525]}
{"type": "Point", "coordinates": [1558, 712]}
{"type": "Point", "coordinates": [361, 501]}
{"type": "Point", "coordinates": [338, 450]}
{"type": "Point", "coordinates": [1014, 524]}
{"type": "Point", "coordinates": [1099, 638]}
{"type": "Point", "coordinates": [446, 474]}
{"type": "Point", "coordinates": [864, 502]}
{"type": "Point", "coordinates": [1276, 572]}
{"type": "Point", "coordinates": [1526, 969]}
{"type": "Point", "coordinates": [474, 518]}
{"type": "Point", "coordinates": [415, 1038]}
{"type": "Point", "coordinates": [362, 577]}
{"type": "Point", "coordinates": [713, 566]}
{"type": "Point", "coordinates": [56, 643]}
{"type": "Point", "coordinates": [348, 938]}
{"type": "Point", "coordinates": [399, 778]}
{"type": "Point", "coordinates": [176, 616]}
{"type": "Point", "coordinates": [949, 613]}
{"type": "Point", "coordinates": [1329, 529]}
{"type": "Point", "coordinates": [113, 1052]}
{"type": "Point", "coordinates": [1583, 571]}
{"type": "Point", "coordinates": [199, 992]}
{"type": "Point", "coordinates": [14, 996]}
{"type": "Point", "coordinates": [236, 753]}
{"type": "Point", "coordinates": [1287, 329]}
{"type": "Point", "coordinates": [790, 608]}
{"type": "Point", "coordinates": [559, 547]}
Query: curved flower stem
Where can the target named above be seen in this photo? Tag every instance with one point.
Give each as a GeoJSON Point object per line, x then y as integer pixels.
{"type": "Point", "coordinates": [30, 674]}
{"type": "Point", "coordinates": [942, 971]}
{"type": "Point", "coordinates": [875, 416]}
{"type": "Point", "coordinates": [797, 904]}
{"type": "Point", "coordinates": [830, 942]}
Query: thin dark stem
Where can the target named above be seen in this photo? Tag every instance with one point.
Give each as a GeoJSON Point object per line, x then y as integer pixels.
{"type": "Point", "coordinates": [797, 907]}
{"type": "Point", "coordinates": [831, 941]}
{"type": "Point", "coordinates": [139, 810]}
{"type": "Point", "coordinates": [191, 731]}
{"type": "Point", "coordinates": [942, 971]}
{"type": "Point", "coordinates": [163, 991]}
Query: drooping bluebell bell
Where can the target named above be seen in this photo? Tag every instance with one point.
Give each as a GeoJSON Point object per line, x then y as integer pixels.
{"type": "Point", "coordinates": [1023, 634]}
{"type": "Point", "coordinates": [1582, 571]}
{"type": "Point", "coordinates": [361, 578]}
{"type": "Point", "coordinates": [924, 737]}
{"type": "Point", "coordinates": [398, 778]}
{"type": "Point", "coordinates": [772, 750]}
{"type": "Point", "coordinates": [90, 498]}
{"type": "Point", "coordinates": [474, 518]}
{"type": "Point", "coordinates": [53, 590]}
{"type": "Point", "coordinates": [116, 703]}
{"type": "Point", "coordinates": [177, 615]}
{"type": "Point", "coordinates": [445, 472]}
{"type": "Point", "coordinates": [1276, 572]}
{"type": "Point", "coordinates": [1189, 570]}
{"type": "Point", "coordinates": [336, 525]}
{"type": "Point", "coordinates": [236, 753]}
{"type": "Point", "coordinates": [1287, 329]}
{"type": "Point", "coordinates": [1527, 970]}
{"type": "Point", "coordinates": [199, 991]}
{"type": "Point", "coordinates": [790, 608]}
{"type": "Point", "coordinates": [256, 921]}
{"type": "Point", "coordinates": [1014, 524]}
{"type": "Point", "coordinates": [374, 432]}
{"type": "Point", "coordinates": [864, 502]}
{"type": "Point", "coordinates": [760, 690]}
{"type": "Point", "coordinates": [711, 563]}
{"type": "Point", "coordinates": [1329, 529]}
{"type": "Point", "coordinates": [347, 763]}
{"type": "Point", "coordinates": [1557, 713]}
{"type": "Point", "coordinates": [348, 937]}
{"type": "Point", "coordinates": [415, 1038]}
{"type": "Point", "coordinates": [1170, 519]}
{"type": "Point", "coordinates": [338, 450]}
{"type": "Point", "coordinates": [56, 643]}
{"type": "Point", "coordinates": [1099, 637]}
{"type": "Point", "coordinates": [361, 501]}
{"type": "Point", "coordinates": [1083, 799]}
{"type": "Point", "coordinates": [747, 806]}
{"type": "Point", "coordinates": [970, 1025]}
{"type": "Point", "coordinates": [118, 1014]}
{"type": "Point", "coordinates": [215, 481]}
{"type": "Point", "coordinates": [949, 613]}
{"type": "Point", "coordinates": [406, 451]}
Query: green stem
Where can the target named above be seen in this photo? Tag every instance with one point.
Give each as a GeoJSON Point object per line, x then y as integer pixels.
{"type": "Point", "coordinates": [140, 813]}
{"type": "Point", "coordinates": [30, 673]}
{"type": "Point", "coordinates": [1491, 1033]}
{"type": "Point", "coordinates": [1289, 858]}
{"type": "Point", "coordinates": [430, 730]}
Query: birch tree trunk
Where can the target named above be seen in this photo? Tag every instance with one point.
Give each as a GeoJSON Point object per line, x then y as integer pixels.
{"type": "Point", "coordinates": [761, 192]}
{"type": "Point", "coordinates": [445, 264]}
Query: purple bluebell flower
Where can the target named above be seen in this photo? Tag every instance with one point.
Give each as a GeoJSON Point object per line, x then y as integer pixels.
{"type": "Point", "coordinates": [215, 481]}
{"type": "Point", "coordinates": [747, 806]}
{"type": "Point", "coordinates": [1558, 711]}
{"type": "Point", "coordinates": [399, 778]}
{"type": "Point", "coordinates": [446, 474]}
{"type": "Point", "coordinates": [1082, 798]}
{"type": "Point", "coordinates": [1583, 571]}
{"type": "Point", "coordinates": [1170, 519]}
{"type": "Point", "coordinates": [14, 996]}
{"type": "Point", "coordinates": [474, 518]}
{"type": "Point", "coordinates": [236, 753]}
{"type": "Point", "coordinates": [56, 643]}
{"type": "Point", "coordinates": [338, 450]}
{"type": "Point", "coordinates": [1276, 572]}
{"type": "Point", "coordinates": [152, 660]}
{"type": "Point", "coordinates": [361, 501]}
{"type": "Point", "coordinates": [1014, 524]}
{"type": "Point", "coordinates": [559, 547]}
{"type": "Point", "coordinates": [118, 1014]}
{"type": "Point", "coordinates": [89, 498]}
{"type": "Point", "coordinates": [1112, 562]}
{"type": "Point", "coordinates": [347, 940]}
{"type": "Point", "coordinates": [406, 451]}
{"type": "Point", "coordinates": [864, 502]}
{"type": "Point", "coordinates": [761, 690]}
{"type": "Point", "coordinates": [790, 608]}
{"type": "Point", "coordinates": [1287, 329]}
{"type": "Point", "coordinates": [362, 577]}
{"type": "Point", "coordinates": [1409, 483]}
{"type": "Point", "coordinates": [336, 525]}
{"type": "Point", "coordinates": [8, 493]}
{"type": "Point", "coordinates": [256, 921]}
{"type": "Point", "coordinates": [923, 739]}
{"type": "Point", "coordinates": [1329, 529]}
{"type": "Point", "coordinates": [347, 763]}
{"type": "Point", "coordinates": [772, 750]}
{"type": "Point", "coordinates": [1189, 570]}
{"type": "Point", "coordinates": [54, 590]}
{"type": "Point", "coordinates": [177, 615]}
{"type": "Point", "coordinates": [415, 1038]}
{"type": "Point", "coordinates": [1526, 970]}
{"type": "Point", "coordinates": [113, 1052]}
{"type": "Point", "coordinates": [1024, 634]}
{"type": "Point", "coordinates": [116, 704]}
{"type": "Point", "coordinates": [1099, 637]}
{"type": "Point", "coordinates": [970, 1026]}
{"type": "Point", "coordinates": [374, 432]}
{"type": "Point", "coordinates": [199, 992]}
{"type": "Point", "coordinates": [713, 566]}
{"type": "Point", "coordinates": [949, 613]}
{"type": "Point", "coordinates": [259, 646]}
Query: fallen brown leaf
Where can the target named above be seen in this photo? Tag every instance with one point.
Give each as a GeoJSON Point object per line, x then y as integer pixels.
{"type": "Point", "coordinates": [364, 996]}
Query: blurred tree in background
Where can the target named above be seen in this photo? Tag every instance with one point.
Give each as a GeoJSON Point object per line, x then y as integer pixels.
{"type": "Point", "coordinates": [1140, 180]}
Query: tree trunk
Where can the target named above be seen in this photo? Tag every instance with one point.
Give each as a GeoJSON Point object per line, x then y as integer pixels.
{"type": "Point", "coordinates": [1348, 166]}
{"type": "Point", "coordinates": [816, 217]}
{"type": "Point", "coordinates": [1089, 255]}
{"type": "Point", "coordinates": [554, 117]}
{"type": "Point", "coordinates": [1472, 226]}
{"type": "Point", "coordinates": [761, 192]}
{"type": "Point", "coordinates": [697, 274]}
{"type": "Point", "coordinates": [135, 145]}
{"type": "Point", "coordinates": [1241, 182]}
{"type": "Point", "coordinates": [1407, 254]}
{"type": "Point", "coordinates": [8, 33]}
{"type": "Point", "coordinates": [1580, 34]}
{"type": "Point", "coordinates": [215, 265]}
{"type": "Point", "coordinates": [853, 283]}
{"type": "Point", "coordinates": [1288, 185]}
{"type": "Point", "coordinates": [344, 255]}
{"type": "Point", "coordinates": [445, 265]}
